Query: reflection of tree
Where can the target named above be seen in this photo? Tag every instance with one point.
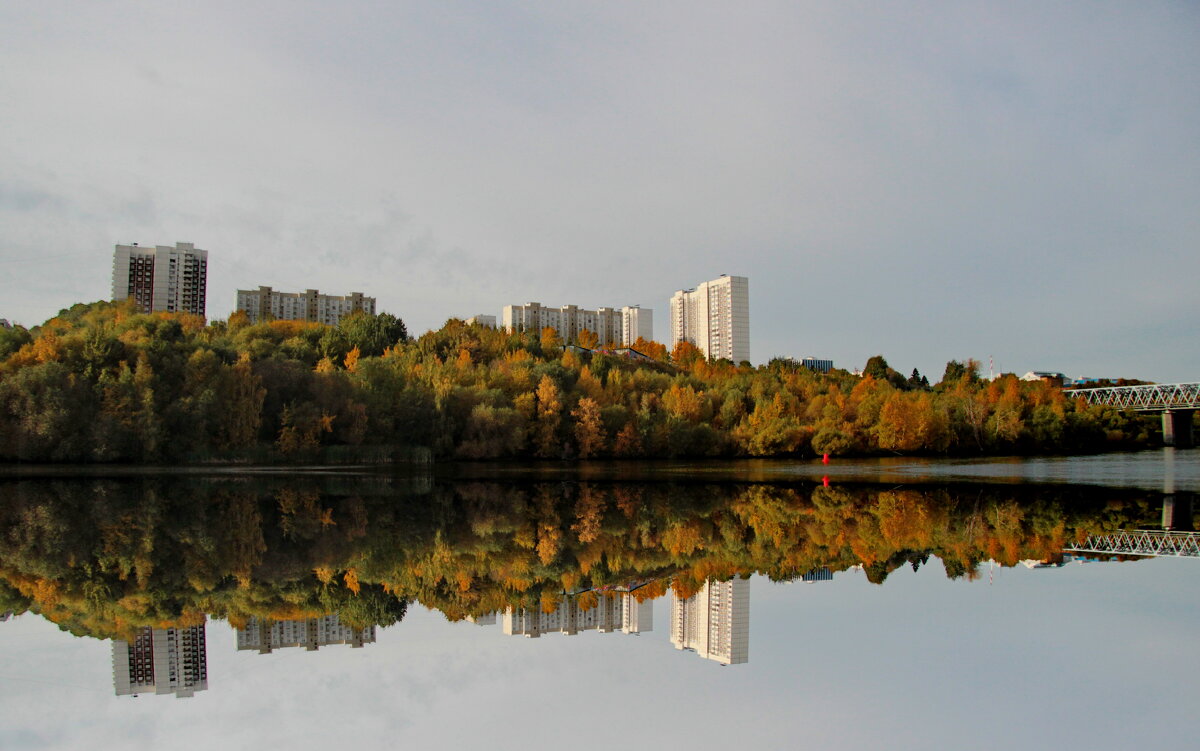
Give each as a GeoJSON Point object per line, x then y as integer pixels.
{"type": "Point", "coordinates": [104, 557]}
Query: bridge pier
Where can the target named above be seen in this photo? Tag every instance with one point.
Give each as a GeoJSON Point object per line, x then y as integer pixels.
{"type": "Point", "coordinates": [1177, 513]}
{"type": "Point", "coordinates": [1177, 428]}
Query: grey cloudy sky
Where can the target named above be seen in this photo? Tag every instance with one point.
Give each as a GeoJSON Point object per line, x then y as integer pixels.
{"type": "Point", "coordinates": [924, 180]}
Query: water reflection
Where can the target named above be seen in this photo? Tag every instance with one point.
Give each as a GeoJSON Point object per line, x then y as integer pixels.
{"type": "Point", "coordinates": [265, 635]}
{"type": "Point", "coordinates": [585, 612]}
{"type": "Point", "coordinates": [161, 661]}
{"type": "Point", "coordinates": [715, 622]}
{"type": "Point", "coordinates": [301, 564]}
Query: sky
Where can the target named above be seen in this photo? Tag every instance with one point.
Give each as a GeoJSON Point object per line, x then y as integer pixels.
{"type": "Point", "coordinates": [926, 181]}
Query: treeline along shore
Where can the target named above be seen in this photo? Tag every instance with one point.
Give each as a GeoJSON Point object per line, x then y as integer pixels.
{"type": "Point", "coordinates": [103, 383]}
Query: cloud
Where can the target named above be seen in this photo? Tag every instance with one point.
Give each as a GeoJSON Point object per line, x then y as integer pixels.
{"type": "Point", "coordinates": [933, 183]}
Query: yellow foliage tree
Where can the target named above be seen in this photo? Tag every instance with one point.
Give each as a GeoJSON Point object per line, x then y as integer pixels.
{"type": "Point", "coordinates": [589, 432]}
{"type": "Point", "coordinates": [588, 339]}
{"type": "Point", "coordinates": [548, 417]}
{"type": "Point", "coordinates": [550, 340]}
{"type": "Point", "coordinates": [651, 349]}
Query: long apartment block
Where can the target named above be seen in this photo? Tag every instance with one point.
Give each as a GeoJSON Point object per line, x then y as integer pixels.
{"type": "Point", "coordinates": [620, 326]}
{"type": "Point", "coordinates": [267, 304]}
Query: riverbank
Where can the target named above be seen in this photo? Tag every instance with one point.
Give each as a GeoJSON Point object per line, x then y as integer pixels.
{"type": "Point", "coordinates": [1165, 470]}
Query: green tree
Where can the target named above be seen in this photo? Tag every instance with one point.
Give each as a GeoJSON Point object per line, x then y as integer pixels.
{"type": "Point", "coordinates": [12, 340]}
{"type": "Point", "coordinates": [877, 367]}
{"type": "Point", "coordinates": [372, 334]}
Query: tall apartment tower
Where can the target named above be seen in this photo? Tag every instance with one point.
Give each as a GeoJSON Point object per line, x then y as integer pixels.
{"type": "Point", "coordinates": [310, 633]}
{"type": "Point", "coordinates": [162, 661]}
{"type": "Point", "coordinates": [636, 323]}
{"type": "Point", "coordinates": [174, 279]}
{"type": "Point", "coordinates": [620, 613]}
{"type": "Point", "coordinates": [620, 326]}
{"type": "Point", "coordinates": [715, 316]}
{"type": "Point", "coordinates": [715, 622]}
{"type": "Point", "coordinates": [266, 304]}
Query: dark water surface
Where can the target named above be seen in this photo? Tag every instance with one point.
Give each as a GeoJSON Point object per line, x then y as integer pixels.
{"type": "Point", "coordinates": [895, 604]}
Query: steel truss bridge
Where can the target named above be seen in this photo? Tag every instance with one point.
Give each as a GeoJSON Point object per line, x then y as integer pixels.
{"type": "Point", "coordinates": [1158, 397]}
{"type": "Point", "coordinates": [1142, 542]}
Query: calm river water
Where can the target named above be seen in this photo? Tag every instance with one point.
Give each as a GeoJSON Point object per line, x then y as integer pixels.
{"type": "Point", "coordinates": [857, 605]}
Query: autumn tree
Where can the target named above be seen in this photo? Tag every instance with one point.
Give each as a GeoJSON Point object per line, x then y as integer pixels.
{"type": "Point", "coordinates": [548, 417]}
{"type": "Point", "coordinates": [653, 350]}
{"type": "Point", "coordinates": [686, 354]}
{"type": "Point", "coordinates": [587, 339]}
{"type": "Point", "coordinates": [550, 341]}
{"type": "Point", "coordinates": [589, 432]}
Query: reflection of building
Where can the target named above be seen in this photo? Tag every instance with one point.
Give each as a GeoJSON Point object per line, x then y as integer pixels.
{"type": "Point", "coordinates": [265, 304]}
{"type": "Point", "coordinates": [621, 612]}
{"type": "Point", "coordinates": [818, 575]}
{"type": "Point", "coordinates": [310, 633]}
{"type": "Point", "coordinates": [162, 277]}
{"type": "Point", "coordinates": [610, 325]}
{"type": "Point", "coordinates": [5, 616]}
{"type": "Point", "coordinates": [162, 660]}
{"type": "Point", "coordinates": [1035, 563]}
{"type": "Point", "coordinates": [715, 622]}
{"type": "Point", "coordinates": [715, 317]}
{"type": "Point", "coordinates": [482, 620]}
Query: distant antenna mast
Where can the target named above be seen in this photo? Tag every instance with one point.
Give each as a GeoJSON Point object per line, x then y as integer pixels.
{"type": "Point", "coordinates": [991, 369]}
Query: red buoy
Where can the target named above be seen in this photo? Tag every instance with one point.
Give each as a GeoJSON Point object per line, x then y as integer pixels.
{"type": "Point", "coordinates": [825, 459]}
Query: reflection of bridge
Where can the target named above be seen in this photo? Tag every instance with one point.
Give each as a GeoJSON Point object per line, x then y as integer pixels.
{"type": "Point", "coordinates": [1176, 401]}
{"type": "Point", "coordinates": [1142, 542]}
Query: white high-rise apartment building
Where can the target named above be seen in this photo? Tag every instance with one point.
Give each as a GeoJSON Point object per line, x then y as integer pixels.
{"type": "Point", "coordinates": [613, 613]}
{"type": "Point", "coordinates": [161, 278]}
{"type": "Point", "coordinates": [162, 661]}
{"type": "Point", "coordinates": [620, 326]}
{"type": "Point", "coordinates": [636, 323]}
{"type": "Point", "coordinates": [715, 622]}
{"type": "Point", "coordinates": [715, 316]}
{"type": "Point", "coordinates": [310, 633]}
{"type": "Point", "coordinates": [265, 304]}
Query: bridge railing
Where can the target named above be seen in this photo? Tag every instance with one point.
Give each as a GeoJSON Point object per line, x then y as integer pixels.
{"type": "Point", "coordinates": [1151, 398]}
{"type": "Point", "coordinates": [1142, 542]}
